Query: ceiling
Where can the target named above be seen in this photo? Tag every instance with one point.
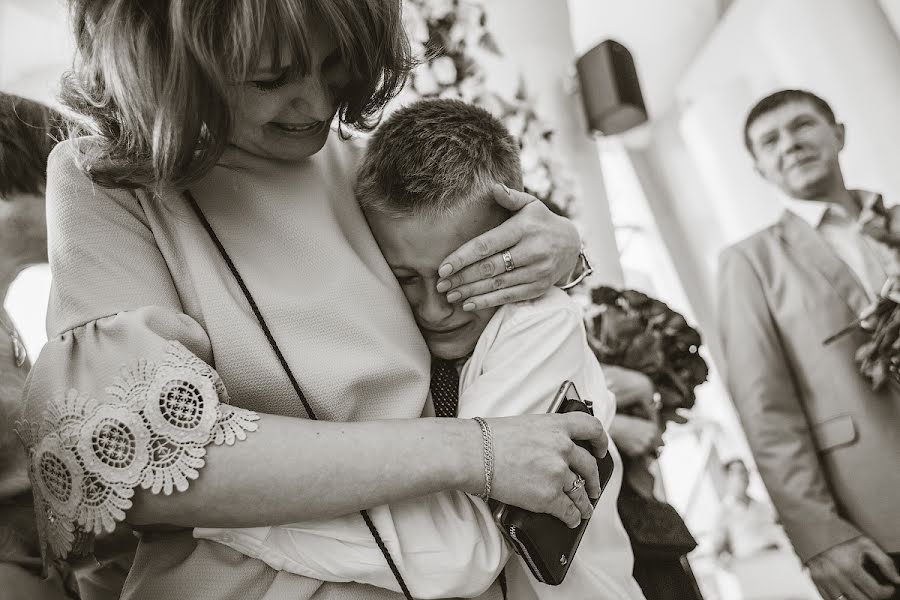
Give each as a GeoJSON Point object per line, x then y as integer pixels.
{"type": "Point", "coordinates": [663, 37]}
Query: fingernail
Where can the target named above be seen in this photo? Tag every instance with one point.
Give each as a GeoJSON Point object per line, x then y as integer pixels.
{"type": "Point", "coordinates": [469, 306]}
{"type": "Point", "coordinates": [443, 286]}
{"type": "Point", "coordinates": [445, 270]}
{"type": "Point", "coordinates": [453, 297]}
{"type": "Point", "coordinates": [508, 193]}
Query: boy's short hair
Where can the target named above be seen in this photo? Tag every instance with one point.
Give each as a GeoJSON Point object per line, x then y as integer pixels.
{"type": "Point", "coordinates": [779, 99]}
{"type": "Point", "coordinates": [28, 132]}
{"type": "Point", "coordinates": [434, 156]}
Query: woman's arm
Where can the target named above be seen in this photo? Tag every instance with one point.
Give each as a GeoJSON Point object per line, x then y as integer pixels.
{"type": "Point", "coordinates": [543, 248]}
{"type": "Point", "coordinates": [296, 470]}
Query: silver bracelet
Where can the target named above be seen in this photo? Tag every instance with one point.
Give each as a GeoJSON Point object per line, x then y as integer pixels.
{"type": "Point", "coordinates": [487, 451]}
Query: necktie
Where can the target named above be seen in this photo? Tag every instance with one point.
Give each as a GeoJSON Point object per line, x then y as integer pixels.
{"type": "Point", "coordinates": [444, 387]}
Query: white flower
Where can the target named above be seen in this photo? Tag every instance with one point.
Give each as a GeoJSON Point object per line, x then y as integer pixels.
{"type": "Point", "coordinates": [515, 123]}
{"type": "Point", "coordinates": [490, 103]}
{"type": "Point", "coordinates": [438, 9]}
{"type": "Point", "coordinates": [444, 70]}
{"type": "Point", "coordinates": [415, 23]}
{"type": "Point", "coordinates": [471, 88]}
{"type": "Point", "coordinates": [537, 181]}
{"type": "Point", "coordinates": [450, 93]}
{"type": "Point", "coordinates": [424, 82]}
{"type": "Point", "coordinates": [529, 159]}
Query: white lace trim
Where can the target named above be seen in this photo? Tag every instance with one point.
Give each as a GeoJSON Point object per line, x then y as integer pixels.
{"type": "Point", "coordinates": [151, 429]}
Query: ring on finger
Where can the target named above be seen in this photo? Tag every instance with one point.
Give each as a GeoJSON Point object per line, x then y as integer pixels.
{"type": "Point", "coordinates": [508, 263]}
{"type": "Point", "coordinates": [576, 485]}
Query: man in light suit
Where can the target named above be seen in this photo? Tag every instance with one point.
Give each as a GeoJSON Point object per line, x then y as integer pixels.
{"type": "Point", "coordinates": [826, 445]}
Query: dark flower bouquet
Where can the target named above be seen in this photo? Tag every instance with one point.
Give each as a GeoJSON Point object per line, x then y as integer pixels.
{"type": "Point", "coordinates": [634, 331]}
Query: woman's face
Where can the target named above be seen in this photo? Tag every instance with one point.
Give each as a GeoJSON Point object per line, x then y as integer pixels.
{"type": "Point", "coordinates": [283, 116]}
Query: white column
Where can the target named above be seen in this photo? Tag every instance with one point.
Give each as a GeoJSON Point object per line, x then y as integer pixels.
{"type": "Point", "coordinates": [712, 129]}
{"type": "Point", "coordinates": [534, 36]}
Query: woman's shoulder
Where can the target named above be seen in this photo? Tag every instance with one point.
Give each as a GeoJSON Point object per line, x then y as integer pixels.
{"type": "Point", "coordinates": [72, 195]}
{"type": "Point", "coordinates": [68, 157]}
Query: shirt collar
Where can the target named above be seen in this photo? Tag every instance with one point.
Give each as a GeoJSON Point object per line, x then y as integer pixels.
{"type": "Point", "coordinates": [814, 211]}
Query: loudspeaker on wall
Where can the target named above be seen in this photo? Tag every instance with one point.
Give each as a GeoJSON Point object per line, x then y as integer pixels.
{"type": "Point", "coordinates": [610, 89]}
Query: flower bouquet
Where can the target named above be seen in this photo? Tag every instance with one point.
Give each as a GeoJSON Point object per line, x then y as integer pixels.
{"type": "Point", "coordinates": [878, 358]}
{"type": "Point", "coordinates": [635, 331]}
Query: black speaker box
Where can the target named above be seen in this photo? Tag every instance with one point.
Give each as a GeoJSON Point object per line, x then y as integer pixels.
{"type": "Point", "coordinates": [610, 89]}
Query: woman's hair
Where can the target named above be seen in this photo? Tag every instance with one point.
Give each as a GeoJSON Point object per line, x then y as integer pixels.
{"type": "Point", "coordinates": [28, 132]}
{"type": "Point", "coordinates": [151, 82]}
{"type": "Point", "coordinates": [436, 156]}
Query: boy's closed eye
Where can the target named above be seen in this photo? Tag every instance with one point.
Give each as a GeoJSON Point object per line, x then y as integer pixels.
{"type": "Point", "coordinates": [405, 280]}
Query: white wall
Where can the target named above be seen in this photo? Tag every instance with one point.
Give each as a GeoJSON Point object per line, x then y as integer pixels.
{"type": "Point", "coordinates": [36, 46]}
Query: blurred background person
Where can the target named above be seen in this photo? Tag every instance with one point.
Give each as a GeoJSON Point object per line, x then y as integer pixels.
{"type": "Point", "coordinates": [659, 537]}
{"type": "Point", "coordinates": [28, 131]}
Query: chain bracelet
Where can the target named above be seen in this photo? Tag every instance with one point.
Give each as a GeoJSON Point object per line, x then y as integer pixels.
{"type": "Point", "coordinates": [487, 450]}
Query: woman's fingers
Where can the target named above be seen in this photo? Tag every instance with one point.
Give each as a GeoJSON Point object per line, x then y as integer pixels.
{"type": "Point", "coordinates": [579, 498]}
{"type": "Point", "coordinates": [520, 259]}
{"type": "Point", "coordinates": [585, 427]}
{"type": "Point", "coordinates": [490, 243]}
{"type": "Point", "coordinates": [585, 466]}
{"type": "Point", "coordinates": [565, 510]}
{"type": "Point", "coordinates": [462, 293]}
{"type": "Point", "coordinates": [516, 293]}
{"type": "Point", "coordinates": [510, 199]}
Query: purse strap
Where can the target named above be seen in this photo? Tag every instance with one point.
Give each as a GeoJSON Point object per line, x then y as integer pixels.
{"type": "Point", "coordinates": [309, 411]}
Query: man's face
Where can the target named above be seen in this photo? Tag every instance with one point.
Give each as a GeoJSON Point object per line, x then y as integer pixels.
{"type": "Point", "coordinates": [796, 149]}
{"type": "Point", "coordinates": [414, 248]}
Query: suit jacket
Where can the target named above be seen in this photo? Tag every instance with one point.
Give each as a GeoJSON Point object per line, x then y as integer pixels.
{"type": "Point", "coordinates": [826, 445]}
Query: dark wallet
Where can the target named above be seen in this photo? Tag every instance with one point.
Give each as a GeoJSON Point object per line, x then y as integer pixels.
{"type": "Point", "coordinates": [545, 543]}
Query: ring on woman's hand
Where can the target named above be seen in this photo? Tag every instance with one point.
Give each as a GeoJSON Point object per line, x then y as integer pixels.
{"type": "Point", "coordinates": [508, 261]}
{"type": "Point", "coordinates": [576, 485]}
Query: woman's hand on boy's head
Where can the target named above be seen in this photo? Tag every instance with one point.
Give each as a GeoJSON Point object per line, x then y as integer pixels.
{"type": "Point", "coordinates": [543, 250]}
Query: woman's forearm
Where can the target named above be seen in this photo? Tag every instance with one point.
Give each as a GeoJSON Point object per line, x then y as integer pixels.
{"type": "Point", "coordinates": [293, 470]}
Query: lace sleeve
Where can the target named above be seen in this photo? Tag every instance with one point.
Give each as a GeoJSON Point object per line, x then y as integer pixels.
{"type": "Point", "coordinates": [150, 429]}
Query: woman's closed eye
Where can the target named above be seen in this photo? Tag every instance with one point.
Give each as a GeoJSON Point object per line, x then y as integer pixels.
{"type": "Point", "coordinates": [268, 85]}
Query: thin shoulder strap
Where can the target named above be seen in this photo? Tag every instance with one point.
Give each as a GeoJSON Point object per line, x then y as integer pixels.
{"type": "Point", "coordinates": [309, 411]}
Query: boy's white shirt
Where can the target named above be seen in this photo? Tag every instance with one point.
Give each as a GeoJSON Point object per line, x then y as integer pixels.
{"type": "Point", "coordinates": [447, 545]}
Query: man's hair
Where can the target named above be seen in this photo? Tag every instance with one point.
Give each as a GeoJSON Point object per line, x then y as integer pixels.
{"type": "Point", "coordinates": [28, 132]}
{"type": "Point", "coordinates": [779, 99]}
{"type": "Point", "coordinates": [434, 156]}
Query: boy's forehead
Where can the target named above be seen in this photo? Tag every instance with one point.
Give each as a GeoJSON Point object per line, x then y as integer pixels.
{"type": "Point", "coordinates": [424, 241]}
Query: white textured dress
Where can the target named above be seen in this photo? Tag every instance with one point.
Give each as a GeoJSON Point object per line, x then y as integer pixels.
{"type": "Point", "coordinates": [150, 339]}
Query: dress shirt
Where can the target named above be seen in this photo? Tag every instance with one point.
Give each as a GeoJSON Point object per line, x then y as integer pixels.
{"type": "Point", "coordinates": [869, 260]}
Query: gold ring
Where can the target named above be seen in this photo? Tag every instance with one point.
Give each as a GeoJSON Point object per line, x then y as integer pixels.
{"type": "Point", "coordinates": [508, 261]}
{"type": "Point", "coordinates": [576, 485]}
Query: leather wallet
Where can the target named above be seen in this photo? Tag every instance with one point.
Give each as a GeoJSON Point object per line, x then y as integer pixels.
{"type": "Point", "coordinates": [547, 544]}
